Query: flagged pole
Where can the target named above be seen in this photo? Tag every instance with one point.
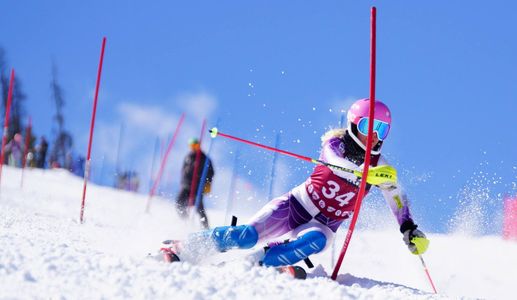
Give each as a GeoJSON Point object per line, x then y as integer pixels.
{"type": "Point", "coordinates": [164, 162]}
{"type": "Point", "coordinates": [92, 125]}
{"type": "Point", "coordinates": [26, 149]}
{"type": "Point", "coordinates": [362, 187]}
{"type": "Point", "coordinates": [6, 122]}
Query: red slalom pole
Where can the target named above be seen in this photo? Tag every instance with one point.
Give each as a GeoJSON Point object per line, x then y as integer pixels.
{"type": "Point", "coordinates": [26, 150]}
{"type": "Point", "coordinates": [92, 125]}
{"type": "Point", "coordinates": [196, 168]}
{"type": "Point", "coordinates": [371, 115]}
{"type": "Point", "coordinates": [6, 121]}
{"type": "Point", "coordinates": [164, 162]}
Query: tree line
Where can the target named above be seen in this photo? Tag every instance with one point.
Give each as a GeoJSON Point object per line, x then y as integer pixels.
{"type": "Point", "coordinates": [60, 154]}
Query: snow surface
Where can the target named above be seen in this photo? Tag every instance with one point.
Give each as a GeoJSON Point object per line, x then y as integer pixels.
{"type": "Point", "coordinates": [45, 253]}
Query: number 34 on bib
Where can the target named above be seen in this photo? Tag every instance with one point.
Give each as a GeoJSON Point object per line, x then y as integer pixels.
{"type": "Point", "coordinates": [333, 197]}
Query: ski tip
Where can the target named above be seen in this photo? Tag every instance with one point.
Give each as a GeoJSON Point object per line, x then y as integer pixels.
{"type": "Point", "coordinates": [169, 256]}
{"type": "Point", "coordinates": [294, 271]}
{"type": "Point", "coordinates": [213, 132]}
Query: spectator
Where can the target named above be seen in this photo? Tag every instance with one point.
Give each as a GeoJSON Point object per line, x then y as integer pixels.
{"type": "Point", "coordinates": [41, 153]}
{"type": "Point", "coordinates": [14, 151]}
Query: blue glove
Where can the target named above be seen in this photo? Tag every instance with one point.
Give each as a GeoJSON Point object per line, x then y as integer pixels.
{"type": "Point", "coordinates": [416, 241]}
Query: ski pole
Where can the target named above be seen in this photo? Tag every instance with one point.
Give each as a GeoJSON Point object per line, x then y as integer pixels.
{"type": "Point", "coordinates": [377, 175]}
{"type": "Point", "coordinates": [427, 273]}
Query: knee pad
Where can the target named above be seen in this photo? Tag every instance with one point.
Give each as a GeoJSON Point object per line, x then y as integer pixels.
{"type": "Point", "coordinates": [229, 237]}
{"type": "Point", "coordinates": [290, 253]}
{"type": "Point", "coordinates": [315, 226]}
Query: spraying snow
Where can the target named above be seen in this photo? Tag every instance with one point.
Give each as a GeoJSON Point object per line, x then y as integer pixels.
{"type": "Point", "coordinates": [46, 253]}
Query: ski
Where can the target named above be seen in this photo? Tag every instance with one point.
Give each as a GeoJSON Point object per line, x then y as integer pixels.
{"type": "Point", "coordinates": [168, 255]}
{"type": "Point", "coordinates": [294, 271]}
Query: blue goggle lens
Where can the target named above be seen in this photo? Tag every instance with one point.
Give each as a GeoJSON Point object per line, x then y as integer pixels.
{"type": "Point", "coordinates": [382, 128]}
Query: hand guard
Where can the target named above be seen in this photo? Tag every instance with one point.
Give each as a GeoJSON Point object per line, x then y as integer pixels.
{"type": "Point", "coordinates": [378, 175]}
{"type": "Point", "coordinates": [416, 241]}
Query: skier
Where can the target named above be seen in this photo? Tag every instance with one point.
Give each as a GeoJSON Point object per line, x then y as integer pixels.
{"type": "Point", "coordinates": [187, 177]}
{"type": "Point", "coordinates": [313, 211]}
{"type": "Point", "coordinates": [14, 150]}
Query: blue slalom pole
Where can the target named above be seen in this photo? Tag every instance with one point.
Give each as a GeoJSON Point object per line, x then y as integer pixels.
{"type": "Point", "coordinates": [272, 179]}
{"type": "Point", "coordinates": [202, 180]}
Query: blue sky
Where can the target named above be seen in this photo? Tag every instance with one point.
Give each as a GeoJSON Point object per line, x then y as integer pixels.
{"type": "Point", "coordinates": [446, 69]}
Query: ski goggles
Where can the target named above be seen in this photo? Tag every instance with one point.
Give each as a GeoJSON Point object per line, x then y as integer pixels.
{"type": "Point", "coordinates": [382, 128]}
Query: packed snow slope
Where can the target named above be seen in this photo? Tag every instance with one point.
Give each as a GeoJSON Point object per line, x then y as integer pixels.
{"type": "Point", "coordinates": [46, 253]}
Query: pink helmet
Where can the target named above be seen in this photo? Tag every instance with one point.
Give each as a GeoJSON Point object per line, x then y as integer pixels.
{"type": "Point", "coordinates": [359, 110]}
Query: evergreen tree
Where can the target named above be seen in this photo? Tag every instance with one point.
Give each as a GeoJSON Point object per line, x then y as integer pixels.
{"type": "Point", "coordinates": [63, 141]}
{"type": "Point", "coordinates": [18, 99]}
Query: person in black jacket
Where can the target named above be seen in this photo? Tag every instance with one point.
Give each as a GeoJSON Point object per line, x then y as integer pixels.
{"type": "Point", "coordinates": [194, 163]}
{"type": "Point", "coordinates": [41, 153]}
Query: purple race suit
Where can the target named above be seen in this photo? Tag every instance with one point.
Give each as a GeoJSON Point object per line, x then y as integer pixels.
{"type": "Point", "coordinates": [326, 198]}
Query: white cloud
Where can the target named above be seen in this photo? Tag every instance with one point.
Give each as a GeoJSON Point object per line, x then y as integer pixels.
{"type": "Point", "coordinates": [200, 105]}
{"type": "Point", "coordinates": [151, 119]}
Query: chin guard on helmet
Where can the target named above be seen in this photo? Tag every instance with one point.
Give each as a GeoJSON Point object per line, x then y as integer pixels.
{"type": "Point", "coordinates": [352, 130]}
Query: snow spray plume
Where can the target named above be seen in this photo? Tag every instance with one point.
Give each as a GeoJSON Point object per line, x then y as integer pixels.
{"type": "Point", "coordinates": [92, 125]}
{"type": "Point", "coordinates": [378, 175]}
{"type": "Point", "coordinates": [477, 201]}
{"type": "Point", "coordinates": [362, 187]}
